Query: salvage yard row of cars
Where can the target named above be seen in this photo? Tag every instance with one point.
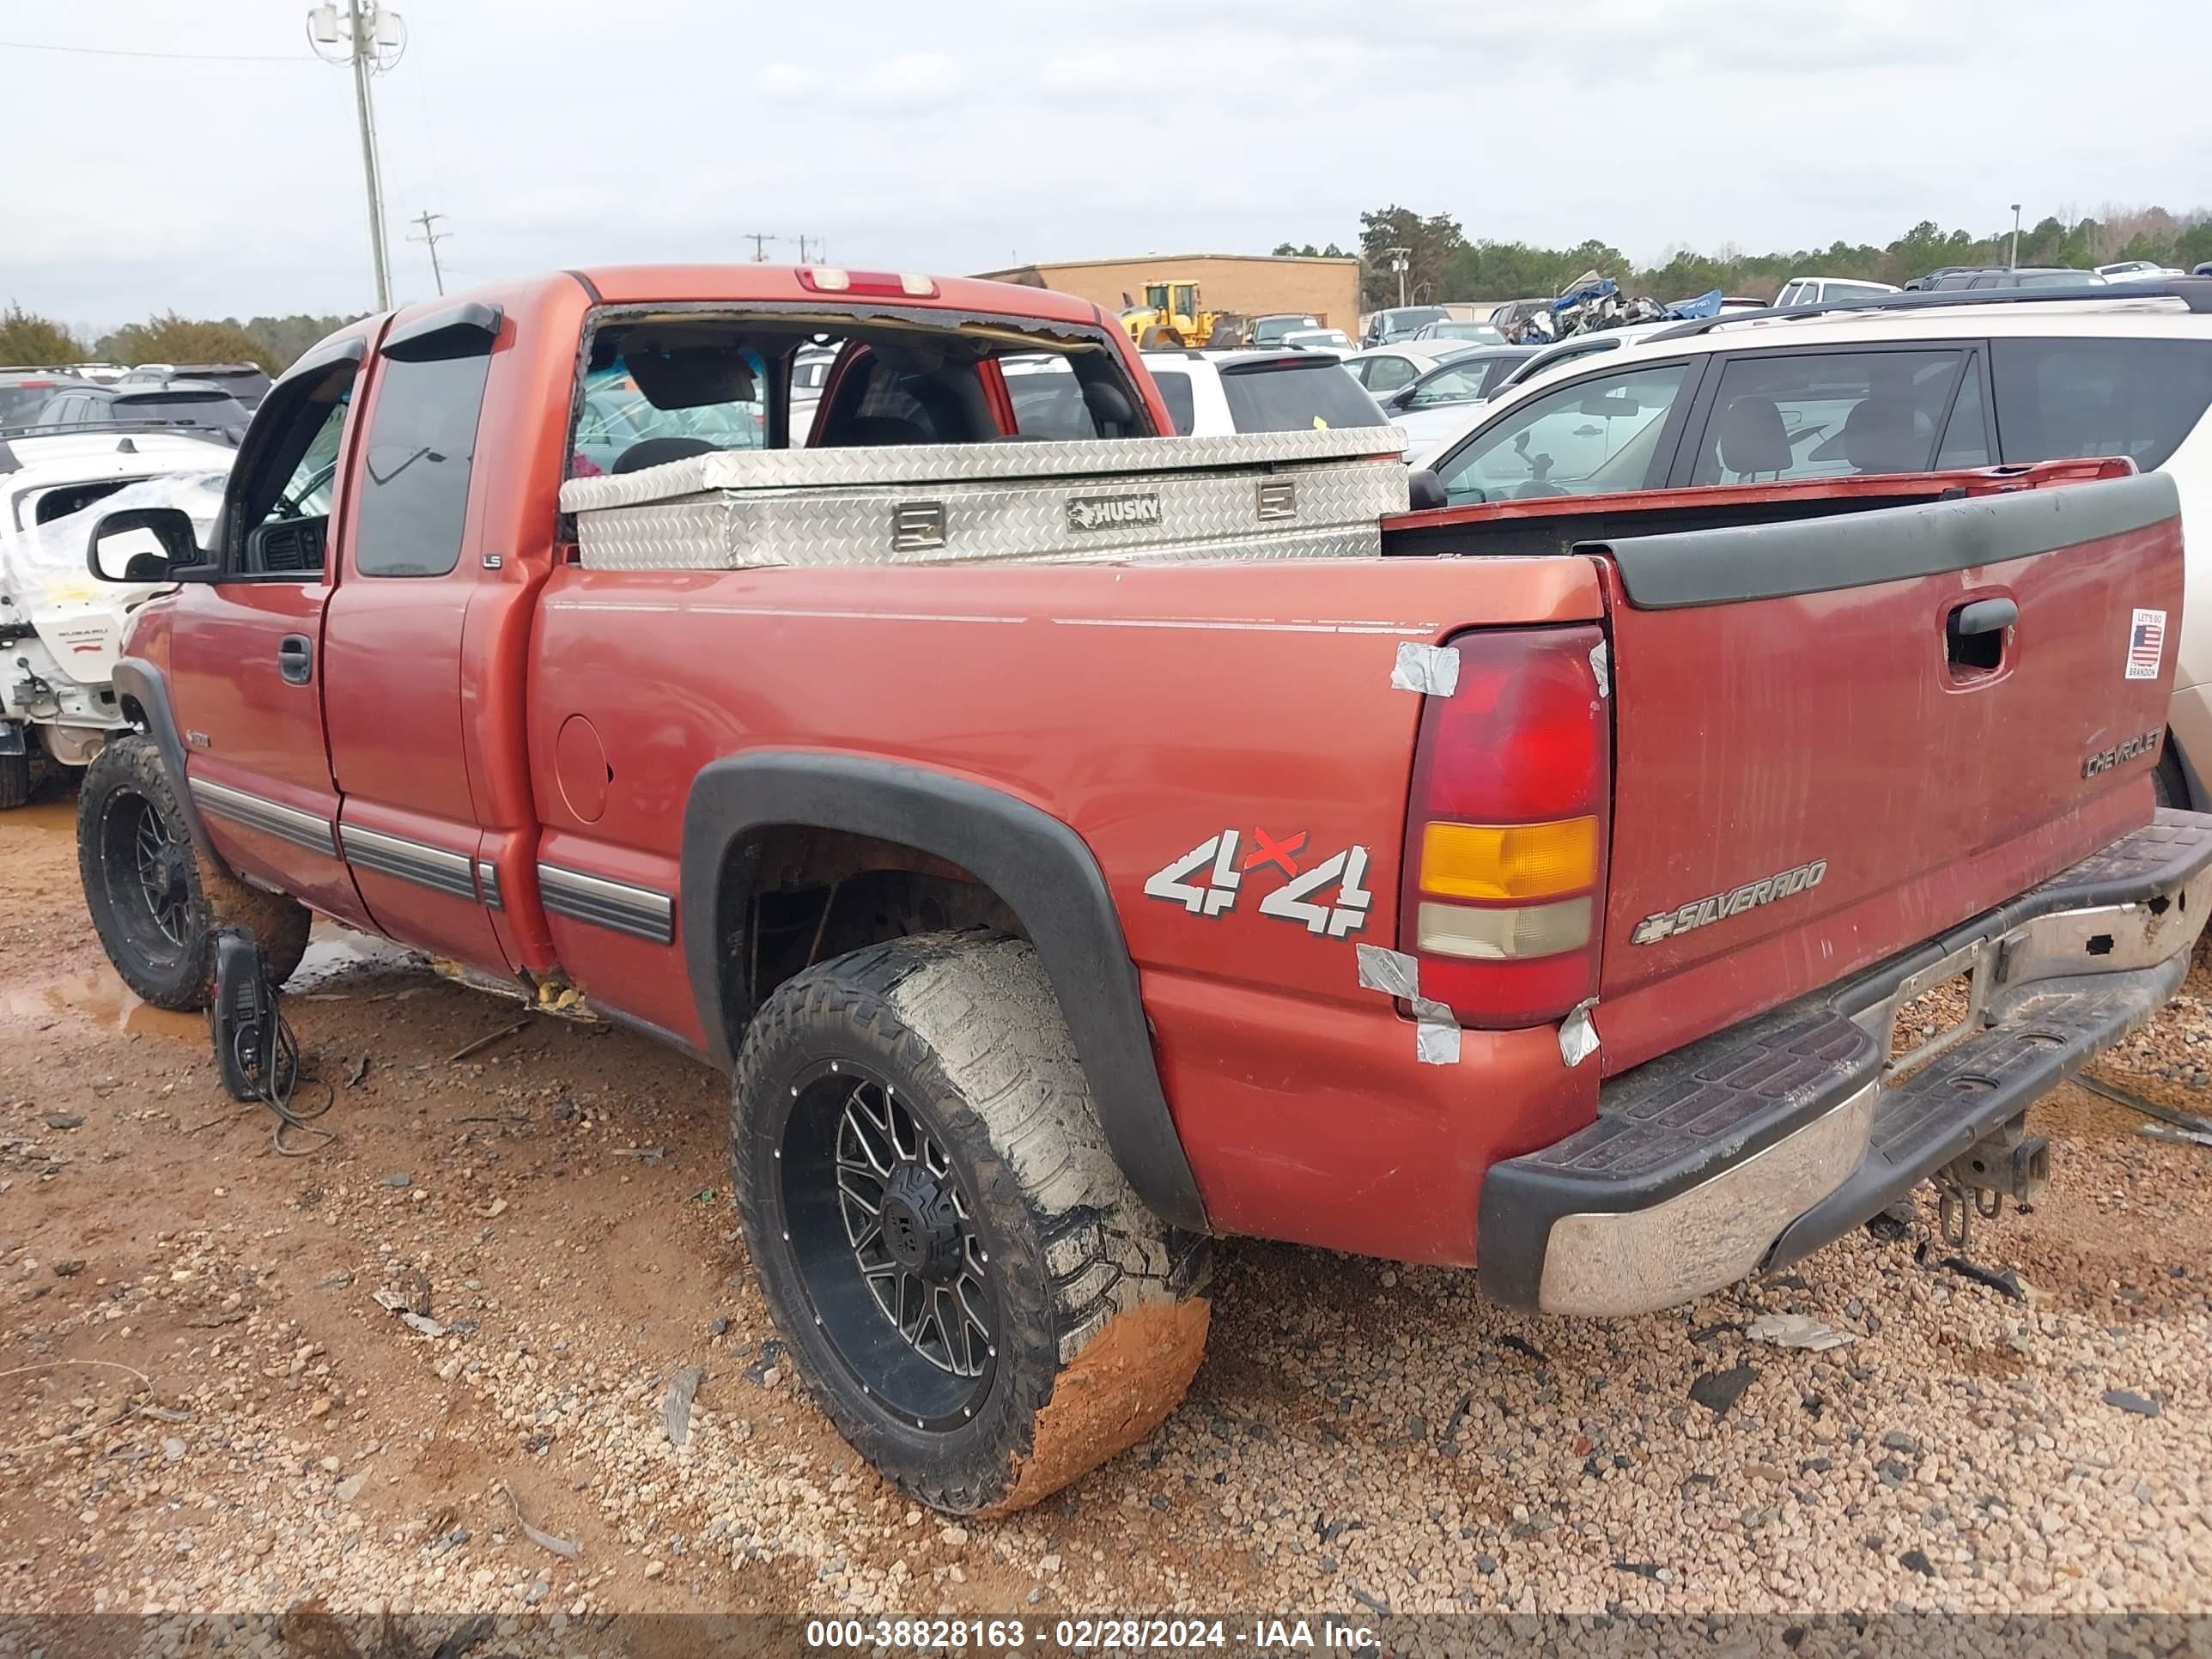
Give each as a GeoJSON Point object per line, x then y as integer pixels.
{"type": "Point", "coordinates": [1014, 757]}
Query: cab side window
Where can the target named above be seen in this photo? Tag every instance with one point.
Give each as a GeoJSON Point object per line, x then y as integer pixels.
{"type": "Point", "coordinates": [1453, 385]}
{"type": "Point", "coordinates": [1593, 437]}
{"type": "Point", "coordinates": [2099, 396]}
{"type": "Point", "coordinates": [1828, 415]}
{"type": "Point", "coordinates": [415, 466]}
{"type": "Point", "coordinates": [1384, 373]}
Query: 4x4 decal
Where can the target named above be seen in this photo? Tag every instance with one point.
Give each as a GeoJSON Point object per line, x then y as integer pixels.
{"type": "Point", "coordinates": [1215, 891]}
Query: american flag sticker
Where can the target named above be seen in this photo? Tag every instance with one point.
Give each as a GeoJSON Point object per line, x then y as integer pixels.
{"type": "Point", "coordinates": [2146, 644]}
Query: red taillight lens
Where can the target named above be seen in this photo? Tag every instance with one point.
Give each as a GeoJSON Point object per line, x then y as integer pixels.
{"type": "Point", "coordinates": [1506, 833]}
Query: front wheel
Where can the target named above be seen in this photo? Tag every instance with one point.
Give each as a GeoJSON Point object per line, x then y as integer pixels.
{"type": "Point", "coordinates": [158, 901]}
{"type": "Point", "coordinates": [970, 1290]}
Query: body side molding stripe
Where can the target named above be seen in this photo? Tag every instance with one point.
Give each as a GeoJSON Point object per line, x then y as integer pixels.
{"type": "Point", "coordinates": [488, 884]}
{"type": "Point", "coordinates": [302, 828]}
{"type": "Point", "coordinates": [409, 861]}
{"type": "Point", "coordinates": [618, 905]}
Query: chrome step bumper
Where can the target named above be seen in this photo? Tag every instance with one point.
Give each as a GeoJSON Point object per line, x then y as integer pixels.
{"type": "Point", "coordinates": [1761, 1143]}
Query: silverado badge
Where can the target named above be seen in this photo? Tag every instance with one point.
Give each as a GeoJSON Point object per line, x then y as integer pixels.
{"type": "Point", "coordinates": [1697, 913]}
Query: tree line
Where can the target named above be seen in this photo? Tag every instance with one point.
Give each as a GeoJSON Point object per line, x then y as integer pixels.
{"type": "Point", "coordinates": [273, 342]}
{"type": "Point", "coordinates": [1443, 262]}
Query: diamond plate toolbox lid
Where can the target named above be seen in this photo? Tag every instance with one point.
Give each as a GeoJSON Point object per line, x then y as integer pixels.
{"type": "Point", "coordinates": [1260, 495]}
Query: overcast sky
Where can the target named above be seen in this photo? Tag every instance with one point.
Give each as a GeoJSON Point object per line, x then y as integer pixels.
{"type": "Point", "coordinates": [951, 138]}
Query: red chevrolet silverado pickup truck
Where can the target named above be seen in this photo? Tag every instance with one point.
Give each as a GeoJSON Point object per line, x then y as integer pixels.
{"type": "Point", "coordinates": [1074, 849]}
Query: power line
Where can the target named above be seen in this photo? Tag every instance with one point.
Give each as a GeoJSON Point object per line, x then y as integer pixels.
{"type": "Point", "coordinates": [431, 238]}
{"type": "Point", "coordinates": [177, 56]}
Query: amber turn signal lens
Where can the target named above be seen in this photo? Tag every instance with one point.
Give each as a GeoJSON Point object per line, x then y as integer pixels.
{"type": "Point", "coordinates": [1509, 861]}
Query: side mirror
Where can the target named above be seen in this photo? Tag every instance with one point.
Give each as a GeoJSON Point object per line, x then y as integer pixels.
{"type": "Point", "coordinates": [1423, 491]}
{"type": "Point", "coordinates": [145, 544]}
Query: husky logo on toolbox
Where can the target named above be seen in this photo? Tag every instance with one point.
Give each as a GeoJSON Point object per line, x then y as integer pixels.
{"type": "Point", "coordinates": [1112, 512]}
{"type": "Point", "coordinates": [1697, 913]}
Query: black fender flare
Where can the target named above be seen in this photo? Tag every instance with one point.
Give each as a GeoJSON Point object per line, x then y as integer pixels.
{"type": "Point", "coordinates": [1039, 866]}
{"type": "Point", "coordinates": [135, 680]}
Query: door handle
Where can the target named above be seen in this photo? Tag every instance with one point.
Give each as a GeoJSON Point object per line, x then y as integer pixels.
{"type": "Point", "coordinates": [1984, 616]}
{"type": "Point", "coordinates": [295, 658]}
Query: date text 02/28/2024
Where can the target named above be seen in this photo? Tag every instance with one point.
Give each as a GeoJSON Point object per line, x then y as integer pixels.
{"type": "Point", "coordinates": [1007, 1636]}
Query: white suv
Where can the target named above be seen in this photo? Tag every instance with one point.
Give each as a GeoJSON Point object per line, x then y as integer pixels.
{"type": "Point", "coordinates": [1909, 384]}
{"type": "Point", "coordinates": [1209, 394]}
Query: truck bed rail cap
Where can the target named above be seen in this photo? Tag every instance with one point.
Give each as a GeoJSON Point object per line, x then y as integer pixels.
{"type": "Point", "coordinates": [934, 464]}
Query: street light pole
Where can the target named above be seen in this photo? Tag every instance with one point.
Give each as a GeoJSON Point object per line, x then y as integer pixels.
{"type": "Point", "coordinates": [365, 32]}
{"type": "Point", "coordinates": [2012, 260]}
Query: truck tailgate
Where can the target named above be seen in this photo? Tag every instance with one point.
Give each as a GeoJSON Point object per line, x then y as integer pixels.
{"type": "Point", "coordinates": [1831, 743]}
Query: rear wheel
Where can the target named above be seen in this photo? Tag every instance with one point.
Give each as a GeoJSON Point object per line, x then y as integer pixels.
{"type": "Point", "coordinates": [970, 1290]}
{"type": "Point", "coordinates": [156, 900]}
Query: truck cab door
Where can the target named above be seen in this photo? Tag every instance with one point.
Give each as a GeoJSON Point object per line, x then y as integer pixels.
{"type": "Point", "coordinates": [244, 652]}
{"type": "Point", "coordinates": [394, 698]}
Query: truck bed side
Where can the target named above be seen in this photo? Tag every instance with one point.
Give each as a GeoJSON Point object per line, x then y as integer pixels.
{"type": "Point", "coordinates": [1148, 709]}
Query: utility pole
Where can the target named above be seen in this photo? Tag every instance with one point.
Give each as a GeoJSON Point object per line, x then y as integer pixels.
{"type": "Point", "coordinates": [2012, 260]}
{"type": "Point", "coordinates": [370, 39]}
{"type": "Point", "coordinates": [431, 239]}
{"type": "Point", "coordinates": [760, 240]}
{"type": "Point", "coordinates": [1401, 259]}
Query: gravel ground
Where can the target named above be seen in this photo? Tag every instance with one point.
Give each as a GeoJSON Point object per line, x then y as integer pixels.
{"type": "Point", "coordinates": [207, 1406]}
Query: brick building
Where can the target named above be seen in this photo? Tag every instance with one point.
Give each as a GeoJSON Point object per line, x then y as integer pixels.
{"type": "Point", "coordinates": [1250, 284]}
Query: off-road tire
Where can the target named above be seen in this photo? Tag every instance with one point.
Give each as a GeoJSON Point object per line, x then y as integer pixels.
{"type": "Point", "coordinates": [14, 780]}
{"type": "Point", "coordinates": [1099, 1320]}
{"type": "Point", "coordinates": [125, 784]}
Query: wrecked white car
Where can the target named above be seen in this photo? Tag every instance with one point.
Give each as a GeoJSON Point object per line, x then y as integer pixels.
{"type": "Point", "coordinates": [60, 629]}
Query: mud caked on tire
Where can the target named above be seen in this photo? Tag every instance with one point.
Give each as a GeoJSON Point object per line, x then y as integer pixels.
{"type": "Point", "coordinates": [156, 900]}
{"type": "Point", "coordinates": [969, 1288]}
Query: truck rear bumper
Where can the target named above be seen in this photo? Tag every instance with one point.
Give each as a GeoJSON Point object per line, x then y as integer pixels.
{"type": "Point", "coordinates": [1761, 1143]}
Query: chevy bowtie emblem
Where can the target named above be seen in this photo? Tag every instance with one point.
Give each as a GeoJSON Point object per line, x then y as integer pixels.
{"type": "Point", "coordinates": [1700, 913]}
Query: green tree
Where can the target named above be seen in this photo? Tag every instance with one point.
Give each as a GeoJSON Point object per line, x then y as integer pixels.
{"type": "Point", "coordinates": [34, 341]}
{"type": "Point", "coordinates": [284, 338]}
{"type": "Point", "coordinates": [1436, 248]}
{"type": "Point", "coordinates": [170, 338]}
